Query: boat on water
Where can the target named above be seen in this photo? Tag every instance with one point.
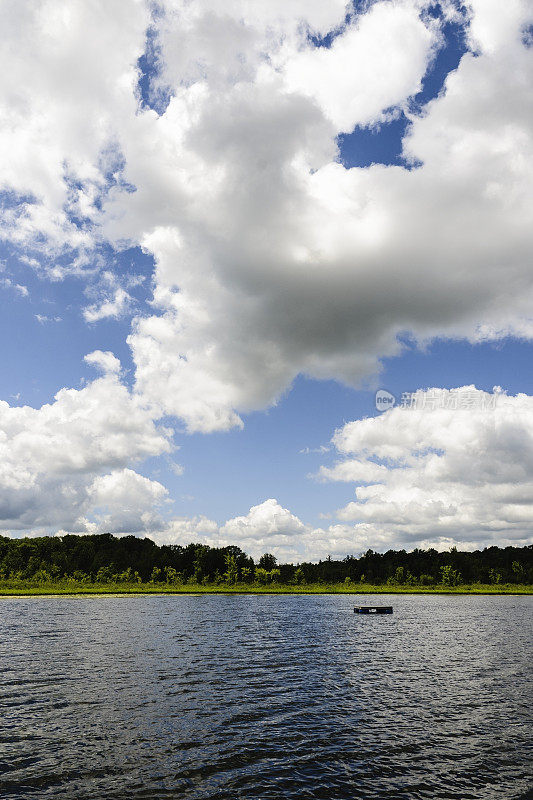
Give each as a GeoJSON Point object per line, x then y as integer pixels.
{"type": "Point", "coordinates": [373, 610]}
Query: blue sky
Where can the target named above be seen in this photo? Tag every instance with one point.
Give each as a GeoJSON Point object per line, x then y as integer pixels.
{"type": "Point", "coordinates": [256, 333]}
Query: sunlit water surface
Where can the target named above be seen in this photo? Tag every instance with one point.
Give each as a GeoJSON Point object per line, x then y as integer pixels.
{"type": "Point", "coordinates": [265, 697]}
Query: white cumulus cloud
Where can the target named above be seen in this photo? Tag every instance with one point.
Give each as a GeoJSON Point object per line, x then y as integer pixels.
{"type": "Point", "coordinates": [278, 261]}
{"type": "Point", "coordinates": [114, 307]}
{"type": "Point", "coordinates": [377, 63]}
{"type": "Point", "coordinates": [105, 361]}
{"type": "Point", "coordinates": [59, 462]}
{"type": "Point", "coordinates": [457, 466]}
{"type": "Point", "coordinates": [272, 259]}
{"type": "Point", "coordinates": [122, 501]}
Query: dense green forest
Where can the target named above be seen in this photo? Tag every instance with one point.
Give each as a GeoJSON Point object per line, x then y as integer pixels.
{"type": "Point", "coordinates": [106, 559]}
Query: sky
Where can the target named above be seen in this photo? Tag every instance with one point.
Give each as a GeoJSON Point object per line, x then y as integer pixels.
{"type": "Point", "coordinates": [266, 273]}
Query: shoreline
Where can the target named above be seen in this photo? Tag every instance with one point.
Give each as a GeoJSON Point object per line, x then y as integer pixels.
{"type": "Point", "coordinates": [191, 589]}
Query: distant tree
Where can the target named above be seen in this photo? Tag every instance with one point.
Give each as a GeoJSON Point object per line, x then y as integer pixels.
{"type": "Point", "coordinates": [247, 574]}
{"type": "Point", "coordinates": [495, 576]}
{"type": "Point", "coordinates": [399, 575]}
{"type": "Point", "coordinates": [275, 575]}
{"type": "Point", "coordinates": [170, 575]}
{"type": "Point", "coordinates": [449, 576]}
{"type": "Point", "coordinates": [232, 572]}
{"type": "Point", "coordinates": [201, 562]}
{"type": "Point", "coordinates": [173, 577]}
{"type": "Point", "coordinates": [156, 575]}
{"type": "Point", "coordinates": [299, 576]}
{"type": "Point", "coordinates": [104, 574]}
{"type": "Point", "coordinates": [261, 576]}
{"type": "Point", "coordinates": [104, 558]}
{"type": "Point", "coordinates": [32, 566]}
{"type": "Point", "coordinates": [518, 572]}
{"type": "Point", "coordinates": [42, 576]}
{"type": "Point", "coordinates": [268, 561]}
{"type": "Point", "coordinates": [81, 577]}
{"type": "Point", "coordinates": [127, 576]}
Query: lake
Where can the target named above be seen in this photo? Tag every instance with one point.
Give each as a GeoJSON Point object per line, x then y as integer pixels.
{"type": "Point", "coordinates": [268, 697]}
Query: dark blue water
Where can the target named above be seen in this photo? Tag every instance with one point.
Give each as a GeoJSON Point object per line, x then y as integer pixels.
{"type": "Point", "coordinates": [265, 697]}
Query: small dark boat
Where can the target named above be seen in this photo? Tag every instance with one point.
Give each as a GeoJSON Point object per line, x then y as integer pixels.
{"type": "Point", "coordinates": [373, 610]}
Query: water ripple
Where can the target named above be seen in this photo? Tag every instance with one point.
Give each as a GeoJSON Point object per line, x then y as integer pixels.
{"type": "Point", "coordinates": [265, 698]}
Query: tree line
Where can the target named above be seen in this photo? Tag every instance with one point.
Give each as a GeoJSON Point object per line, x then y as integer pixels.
{"type": "Point", "coordinates": [103, 558]}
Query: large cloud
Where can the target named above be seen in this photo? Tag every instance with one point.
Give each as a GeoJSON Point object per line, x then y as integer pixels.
{"type": "Point", "coordinates": [453, 466]}
{"type": "Point", "coordinates": [365, 72]}
{"type": "Point", "coordinates": [280, 261]}
{"type": "Point", "coordinates": [67, 461]}
{"type": "Point", "coordinates": [69, 89]}
{"type": "Point", "coordinates": [272, 258]}
{"type": "Point", "coordinates": [123, 501]}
